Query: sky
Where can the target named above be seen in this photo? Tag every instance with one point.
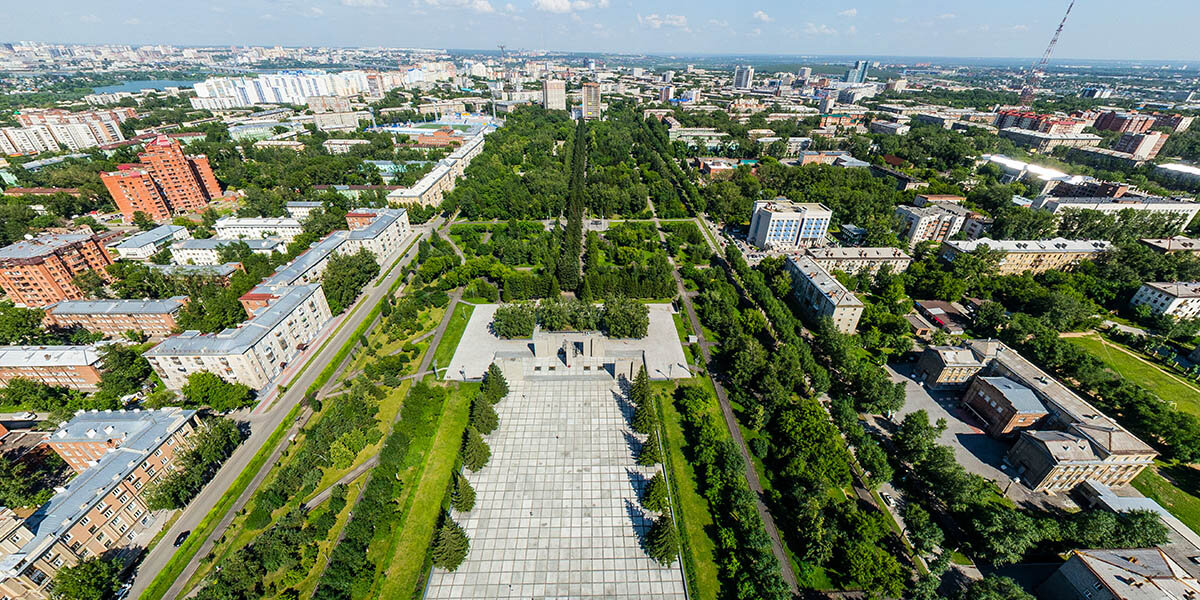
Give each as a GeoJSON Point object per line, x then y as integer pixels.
{"type": "Point", "coordinates": [952, 28]}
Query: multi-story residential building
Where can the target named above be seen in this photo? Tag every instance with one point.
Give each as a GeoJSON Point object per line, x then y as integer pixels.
{"type": "Point", "coordinates": [1075, 441]}
{"type": "Point", "coordinates": [102, 510]}
{"type": "Point", "coordinates": [889, 128]}
{"type": "Point", "coordinates": [27, 140]}
{"type": "Point", "coordinates": [856, 260]}
{"type": "Point", "coordinates": [209, 274]}
{"type": "Point", "coordinates": [1176, 122]}
{"type": "Point", "coordinates": [42, 271]}
{"type": "Point", "coordinates": [927, 199]}
{"type": "Point", "coordinates": [254, 353]}
{"type": "Point", "coordinates": [743, 77]}
{"type": "Point", "coordinates": [1124, 122]}
{"type": "Point", "coordinates": [256, 228]}
{"type": "Point", "coordinates": [45, 130]}
{"type": "Point", "coordinates": [1184, 209]}
{"type": "Point", "coordinates": [1173, 245]}
{"type": "Point", "coordinates": [554, 94]}
{"type": "Point", "coordinates": [155, 318]}
{"type": "Point", "coordinates": [1141, 146]}
{"type": "Point", "coordinates": [165, 183]}
{"type": "Point", "coordinates": [938, 222]}
{"type": "Point", "coordinates": [441, 107]}
{"type": "Point", "coordinates": [821, 295]}
{"type": "Point", "coordinates": [208, 251]}
{"type": "Point", "coordinates": [1038, 122]}
{"type": "Point", "coordinates": [141, 246]}
{"type": "Point", "coordinates": [342, 146]}
{"type": "Point", "coordinates": [341, 121]}
{"type": "Point", "coordinates": [301, 209]}
{"type": "Point", "coordinates": [1180, 300]}
{"type": "Point", "coordinates": [429, 190]}
{"type": "Point", "coordinates": [1035, 256]}
{"type": "Point", "coordinates": [781, 223]}
{"type": "Point", "coordinates": [76, 367]}
{"type": "Point", "coordinates": [1126, 574]}
{"type": "Point", "coordinates": [591, 101]}
{"type": "Point", "coordinates": [1045, 142]}
{"type": "Point", "coordinates": [324, 104]}
{"type": "Point", "coordinates": [292, 145]}
{"type": "Point", "coordinates": [858, 74]}
{"type": "Point", "coordinates": [1003, 405]}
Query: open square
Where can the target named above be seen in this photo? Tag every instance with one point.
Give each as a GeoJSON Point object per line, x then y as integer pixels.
{"type": "Point", "coordinates": [557, 513]}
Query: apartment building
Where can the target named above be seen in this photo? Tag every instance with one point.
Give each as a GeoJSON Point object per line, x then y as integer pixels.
{"type": "Point", "coordinates": [1124, 122]}
{"type": "Point", "coordinates": [302, 209]}
{"type": "Point", "coordinates": [431, 188]}
{"type": "Point", "coordinates": [155, 318]}
{"type": "Point", "coordinates": [856, 260]}
{"type": "Point", "coordinates": [41, 271]}
{"type": "Point", "coordinates": [783, 224]}
{"type": "Point", "coordinates": [342, 146]}
{"type": "Point", "coordinates": [216, 274]}
{"type": "Point", "coordinates": [340, 121]}
{"type": "Point", "coordinates": [822, 295]}
{"type": "Point", "coordinates": [143, 245]}
{"type": "Point", "coordinates": [165, 182]}
{"type": "Point", "coordinates": [1074, 441]}
{"type": "Point", "coordinates": [1124, 574]}
{"type": "Point", "coordinates": [1003, 405]}
{"type": "Point", "coordinates": [76, 367]}
{"type": "Point", "coordinates": [1184, 209]}
{"type": "Point", "coordinates": [1036, 256]}
{"type": "Point", "coordinates": [554, 94]}
{"type": "Point", "coordinates": [1044, 142]}
{"type": "Point", "coordinates": [1180, 299]}
{"type": "Point", "coordinates": [325, 104]}
{"type": "Point", "coordinates": [48, 130]}
{"type": "Point", "coordinates": [102, 510]}
{"type": "Point", "coordinates": [27, 140]}
{"type": "Point", "coordinates": [208, 251]}
{"type": "Point", "coordinates": [937, 221]}
{"type": "Point", "coordinates": [1173, 245]}
{"type": "Point", "coordinates": [591, 101]}
{"type": "Point", "coordinates": [255, 352]}
{"type": "Point", "coordinates": [1141, 146]}
{"type": "Point", "coordinates": [257, 228]}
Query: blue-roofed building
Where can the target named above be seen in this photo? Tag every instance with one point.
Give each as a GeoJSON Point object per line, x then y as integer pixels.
{"type": "Point", "coordinates": [145, 244]}
{"type": "Point", "coordinates": [1005, 406]}
{"type": "Point", "coordinates": [102, 510]}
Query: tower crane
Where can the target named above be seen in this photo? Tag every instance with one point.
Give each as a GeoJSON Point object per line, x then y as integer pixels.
{"type": "Point", "coordinates": [1031, 80]}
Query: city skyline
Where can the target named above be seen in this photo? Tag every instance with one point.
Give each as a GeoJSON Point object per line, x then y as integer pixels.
{"type": "Point", "coordinates": [866, 27]}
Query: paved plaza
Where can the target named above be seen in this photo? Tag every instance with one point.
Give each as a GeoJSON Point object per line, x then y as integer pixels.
{"type": "Point", "coordinates": [557, 512]}
{"type": "Point", "coordinates": [664, 353]}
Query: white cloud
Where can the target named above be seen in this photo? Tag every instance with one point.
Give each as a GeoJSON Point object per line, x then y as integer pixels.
{"type": "Point", "coordinates": [1020, 28]}
{"type": "Point", "coordinates": [716, 23]}
{"type": "Point", "coordinates": [133, 21]}
{"type": "Point", "coordinates": [762, 16]}
{"type": "Point", "coordinates": [852, 30]}
{"type": "Point", "coordinates": [510, 8]}
{"type": "Point", "coordinates": [89, 18]}
{"type": "Point", "coordinates": [756, 31]}
{"type": "Point", "coordinates": [365, 3]}
{"type": "Point", "coordinates": [655, 21]}
{"type": "Point", "coordinates": [267, 17]}
{"type": "Point", "coordinates": [849, 12]}
{"type": "Point", "coordinates": [899, 20]}
{"type": "Point", "coordinates": [945, 16]}
{"type": "Point", "coordinates": [822, 29]}
{"type": "Point", "coordinates": [314, 12]}
{"type": "Point", "coordinates": [553, 6]}
{"type": "Point", "coordinates": [479, 6]}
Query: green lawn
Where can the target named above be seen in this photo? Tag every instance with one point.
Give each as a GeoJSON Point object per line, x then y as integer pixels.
{"type": "Point", "coordinates": [1170, 493]}
{"type": "Point", "coordinates": [1149, 376]}
{"type": "Point", "coordinates": [412, 541]}
{"type": "Point", "coordinates": [454, 333]}
{"type": "Point", "coordinates": [691, 510]}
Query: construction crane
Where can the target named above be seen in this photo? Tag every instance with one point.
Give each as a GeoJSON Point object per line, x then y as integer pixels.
{"type": "Point", "coordinates": [1031, 81]}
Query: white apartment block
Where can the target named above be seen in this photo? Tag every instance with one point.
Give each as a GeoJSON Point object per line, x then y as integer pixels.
{"type": "Point", "coordinates": [784, 224]}
{"type": "Point", "coordinates": [1184, 208]}
{"type": "Point", "coordinates": [255, 352]}
{"type": "Point", "coordinates": [431, 189]}
{"type": "Point", "coordinates": [301, 209]}
{"type": "Point", "coordinates": [822, 295]}
{"type": "Point", "coordinates": [1180, 300]}
{"type": "Point", "coordinates": [208, 251]}
{"type": "Point", "coordinates": [142, 246]}
{"type": "Point", "coordinates": [27, 140]}
{"type": "Point", "coordinates": [340, 146]}
{"type": "Point", "coordinates": [256, 228]}
{"type": "Point", "coordinates": [855, 260]}
{"type": "Point", "coordinates": [938, 221]}
{"type": "Point", "coordinates": [554, 94]}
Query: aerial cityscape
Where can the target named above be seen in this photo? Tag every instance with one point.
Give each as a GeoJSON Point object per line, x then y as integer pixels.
{"type": "Point", "coordinates": [548, 299]}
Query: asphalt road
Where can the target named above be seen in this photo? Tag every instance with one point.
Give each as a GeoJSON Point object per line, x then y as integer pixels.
{"type": "Point", "coordinates": [261, 427]}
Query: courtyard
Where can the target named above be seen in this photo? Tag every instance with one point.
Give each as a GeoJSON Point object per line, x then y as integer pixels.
{"type": "Point", "coordinates": [557, 511]}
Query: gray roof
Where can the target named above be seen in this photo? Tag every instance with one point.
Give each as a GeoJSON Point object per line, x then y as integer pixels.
{"type": "Point", "coordinates": [154, 236]}
{"type": "Point", "coordinates": [223, 270]}
{"type": "Point", "coordinates": [319, 251]}
{"type": "Point", "coordinates": [240, 339]}
{"type": "Point", "coordinates": [1020, 397]}
{"type": "Point", "coordinates": [216, 243]}
{"type": "Point", "coordinates": [383, 219]}
{"type": "Point", "coordinates": [143, 431]}
{"type": "Point", "coordinates": [48, 356]}
{"type": "Point", "coordinates": [117, 307]}
{"type": "Point", "coordinates": [42, 245]}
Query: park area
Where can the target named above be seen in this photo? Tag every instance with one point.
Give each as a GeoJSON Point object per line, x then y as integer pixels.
{"type": "Point", "coordinates": [1137, 369]}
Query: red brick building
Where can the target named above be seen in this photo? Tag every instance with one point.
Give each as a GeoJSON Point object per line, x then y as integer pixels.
{"type": "Point", "coordinates": [1125, 122]}
{"type": "Point", "coordinates": [76, 367]}
{"type": "Point", "coordinates": [166, 182]}
{"type": "Point", "coordinates": [41, 271]}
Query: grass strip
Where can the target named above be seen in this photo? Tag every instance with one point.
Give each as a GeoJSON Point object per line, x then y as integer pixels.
{"type": "Point", "coordinates": [453, 335]}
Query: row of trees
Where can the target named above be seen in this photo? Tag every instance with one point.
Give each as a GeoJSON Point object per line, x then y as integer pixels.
{"type": "Point", "coordinates": [617, 317]}
{"type": "Point", "coordinates": [206, 451]}
{"type": "Point", "coordinates": [662, 539]}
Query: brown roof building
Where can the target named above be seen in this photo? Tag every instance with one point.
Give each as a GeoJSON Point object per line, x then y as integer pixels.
{"type": "Point", "coordinates": [41, 271]}
{"type": "Point", "coordinates": [166, 182]}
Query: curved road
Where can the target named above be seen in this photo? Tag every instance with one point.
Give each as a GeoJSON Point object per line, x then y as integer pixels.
{"type": "Point", "coordinates": [262, 425]}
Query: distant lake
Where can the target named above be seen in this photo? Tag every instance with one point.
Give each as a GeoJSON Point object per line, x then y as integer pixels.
{"type": "Point", "coordinates": [143, 84]}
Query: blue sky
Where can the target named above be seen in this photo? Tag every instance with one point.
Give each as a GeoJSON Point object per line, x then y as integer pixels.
{"type": "Point", "coordinates": [1010, 28]}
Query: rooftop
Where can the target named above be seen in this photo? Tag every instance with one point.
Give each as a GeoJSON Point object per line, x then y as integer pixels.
{"type": "Point", "coordinates": [117, 307]}
{"type": "Point", "coordinates": [783, 205]}
{"type": "Point", "coordinates": [1020, 397]}
{"type": "Point", "coordinates": [841, 253]}
{"type": "Point", "coordinates": [223, 270]}
{"type": "Point", "coordinates": [154, 236]}
{"type": "Point", "coordinates": [827, 284]}
{"type": "Point", "coordinates": [48, 356]}
{"type": "Point", "coordinates": [1139, 574]}
{"type": "Point", "coordinates": [1038, 246]}
{"type": "Point", "coordinates": [215, 243]}
{"type": "Point", "coordinates": [42, 245]}
{"type": "Point", "coordinates": [1180, 289]}
{"type": "Point", "coordinates": [241, 338]}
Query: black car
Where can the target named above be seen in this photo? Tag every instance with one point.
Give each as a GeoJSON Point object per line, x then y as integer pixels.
{"type": "Point", "coordinates": [179, 538]}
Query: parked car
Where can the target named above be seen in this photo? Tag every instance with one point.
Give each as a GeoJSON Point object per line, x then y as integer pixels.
{"type": "Point", "coordinates": [887, 499]}
{"type": "Point", "coordinates": [181, 537]}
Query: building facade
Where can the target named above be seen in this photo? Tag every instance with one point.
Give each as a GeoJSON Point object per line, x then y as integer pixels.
{"type": "Point", "coordinates": [781, 223]}
{"type": "Point", "coordinates": [1180, 300]}
{"type": "Point", "coordinates": [1044, 142]}
{"type": "Point", "coordinates": [155, 318]}
{"type": "Point", "coordinates": [1003, 405]}
{"type": "Point", "coordinates": [821, 295]}
{"type": "Point", "coordinates": [257, 228]}
{"type": "Point", "coordinates": [1124, 122]}
{"type": "Point", "coordinates": [1036, 256]}
{"type": "Point", "coordinates": [937, 222]}
{"type": "Point", "coordinates": [591, 101]}
{"type": "Point", "coordinates": [208, 251]}
{"type": "Point", "coordinates": [1184, 209]}
{"type": "Point", "coordinates": [41, 271]}
{"type": "Point", "coordinates": [554, 94]}
{"type": "Point", "coordinates": [856, 260]}
{"type": "Point", "coordinates": [1141, 146]}
{"type": "Point", "coordinates": [142, 246]}
{"type": "Point", "coordinates": [165, 183]}
{"type": "Point", "coordinates": [1124, 574]}
{"type": "Point", "coordinates": [76, 367]}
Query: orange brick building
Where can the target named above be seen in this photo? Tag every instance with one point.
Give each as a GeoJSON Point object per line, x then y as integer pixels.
{"type": "Point", "coordinates": [76, 367]}
{"type": "Point", "coordinates": [166, 182]}
{"type": "Point", "coordinates": [155, 318]}
{"type": "Point", "coordinates": [440, 138]}
{"type": "Point", "coordinates": [41, 271]}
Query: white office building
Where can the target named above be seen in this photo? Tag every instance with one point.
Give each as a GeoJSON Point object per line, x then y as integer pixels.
{"type": "Point", "coordinates": [783, 224]}
{"type": "Point", "coordinates": [554, 94]}
{"type": "Point", "coordinates": [938, 222]}
{"type": "Point", "coordinates": [1180, 300]}
{"type": "Point", "coordinates": [208, 251]}
{"type": "Point", "coordinates": [256, 228]}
